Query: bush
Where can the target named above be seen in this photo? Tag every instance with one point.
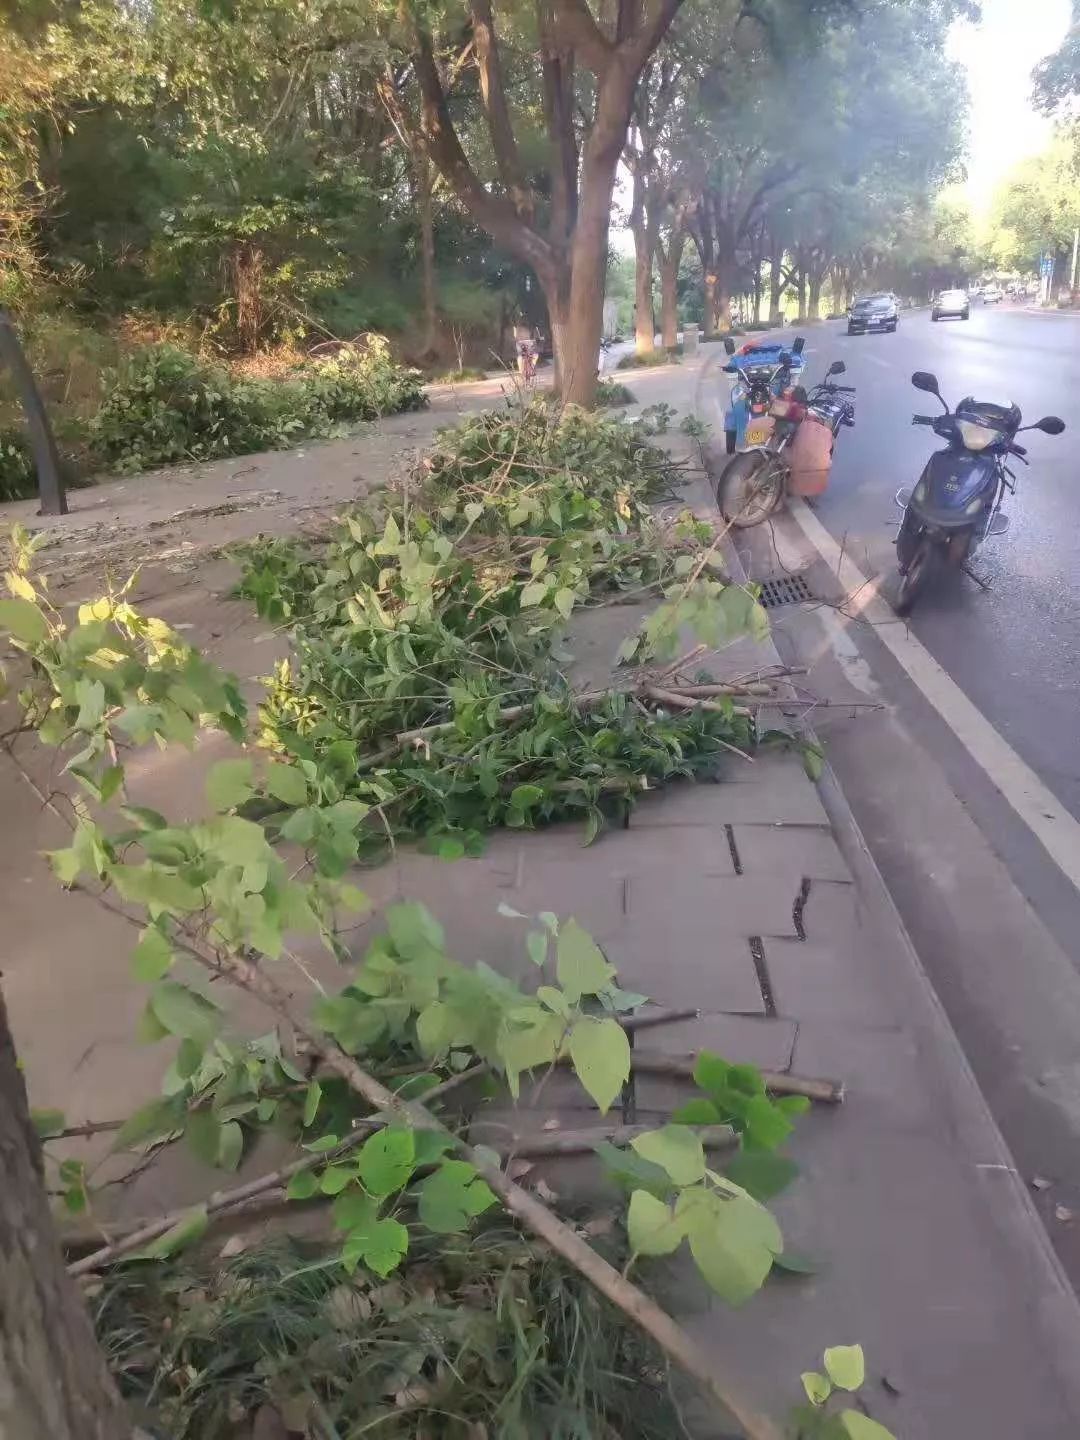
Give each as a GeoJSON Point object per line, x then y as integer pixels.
{"type": "Point", "coordinates": [166, 405]}
{"type": "Point", "coordinates": [646, 361]}
{"type": "Point", "coordinates": [459, 377]}
{"type": "Point", "coordinates": [18, 475]}
{"type": "Point", "coordinates": [613, 392]}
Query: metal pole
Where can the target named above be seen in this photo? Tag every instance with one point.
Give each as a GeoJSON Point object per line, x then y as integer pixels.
{"type": "Point", "coordinates": [42, 444]}
{"type": "Point", "coordinates": [1072, 268]}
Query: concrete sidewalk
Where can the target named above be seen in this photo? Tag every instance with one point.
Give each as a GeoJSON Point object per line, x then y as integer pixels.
{"type": "Point", "coordinates": [754, 901]}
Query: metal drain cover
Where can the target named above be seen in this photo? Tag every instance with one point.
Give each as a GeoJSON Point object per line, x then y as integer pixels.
{"type": "Point", "coordinates": [784, 590]}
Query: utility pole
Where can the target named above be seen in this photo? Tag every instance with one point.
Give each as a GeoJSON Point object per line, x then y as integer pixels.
{"type": "Point", "coordinates": [42, 444]}
{"type": "Point", "coordinates": [1072, 267]}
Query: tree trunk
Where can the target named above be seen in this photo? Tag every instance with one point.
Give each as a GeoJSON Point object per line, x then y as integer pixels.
{"type": "Point", "coordinates": [776, 288]}
{"type": "Point", "coordinates": [800, 291]}
{"type": "Point", "coordinates": [815, 295]}
{"type": "Point", "coordinates": [644, 316]}
{"type": "Point", "coordinates": [669, 293]}
{"type": "Point", "coordinates": [428, 282]}
{"type": "Point", "coordinates": [53, 1380]}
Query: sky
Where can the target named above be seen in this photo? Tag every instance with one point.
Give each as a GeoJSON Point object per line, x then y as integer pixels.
{"type": "Point", "coordinates": [998, 54]}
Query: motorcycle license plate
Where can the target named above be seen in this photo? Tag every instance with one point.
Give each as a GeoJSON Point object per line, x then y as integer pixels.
{"type": "Point", "coordinates": [757, 434]}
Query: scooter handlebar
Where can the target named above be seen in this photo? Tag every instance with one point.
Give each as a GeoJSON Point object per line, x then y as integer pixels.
{"type": "Point", "coordinates": [922, 419]}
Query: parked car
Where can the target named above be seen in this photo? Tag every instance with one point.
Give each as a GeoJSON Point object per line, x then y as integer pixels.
{"type": "Point", "coordinates": [873, 312]}
{"type": "Point", "coordinates": [951, 302]}
{"type": "Point", "coordinates": [992, 294]}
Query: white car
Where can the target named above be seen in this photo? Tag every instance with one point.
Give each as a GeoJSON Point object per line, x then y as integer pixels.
{"type": "Point", "coordinates": [991, 294]}
{"type": "Point", "coordinates": [951, 302]}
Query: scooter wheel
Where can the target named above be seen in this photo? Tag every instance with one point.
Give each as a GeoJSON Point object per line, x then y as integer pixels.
{"type": "Point", "coordinates": [750, 488]}
{"type": "Point", "coordinates": [920, 572]}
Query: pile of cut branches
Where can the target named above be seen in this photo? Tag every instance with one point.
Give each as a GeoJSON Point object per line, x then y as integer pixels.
{"type": "Point", "coordinates": [426, 675]}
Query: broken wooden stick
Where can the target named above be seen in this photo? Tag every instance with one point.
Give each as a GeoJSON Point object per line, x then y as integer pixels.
{"type": "Point", "coordinates": [582, 1142]}
{"type": "Point", "coordinates": [681, 1067]}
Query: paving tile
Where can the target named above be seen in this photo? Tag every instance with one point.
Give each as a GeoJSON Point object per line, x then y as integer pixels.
{"type": "Point", "coordinates": [806, 850]}
{"type": "Point", "coordinates": [882, 1070]}
{"type": "Point", "coordinates": [704, 906]}
{"type": "Point", "coordinates": [705, 969]}
{"type": "Point", "coordinates": [641, 851]}
{"type": "Point", "coordinates": [832, 915]}
{"type": "Point", "coordinates": [767, 799]}
{"type": "Point", "coordinates": [822, 982]}
{"type": "Point", "coordinates": [743, 1039]}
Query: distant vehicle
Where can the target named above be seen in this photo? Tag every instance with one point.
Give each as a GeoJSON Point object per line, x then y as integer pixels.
{"type": "Point", "coordinates": [873, 312]}
{"type": "Point", "coordinates": [951, 302]}
{"type": "Point", "coordinates": [992, 294]}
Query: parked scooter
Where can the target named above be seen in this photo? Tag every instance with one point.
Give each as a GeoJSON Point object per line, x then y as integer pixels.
{"type": "Point", "coordinates": [761, 370]}
{"type": "Point", "coordinates": [957, 502]}
{"type": "Point", "coordinates": [789, 450]}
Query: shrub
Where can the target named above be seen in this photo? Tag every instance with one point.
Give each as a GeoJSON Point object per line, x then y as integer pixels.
{"type": "Point", "coordinates": [650, 358]}
{"type": "Point", "coordinates": [166, 405]}
{"type": "Point", "coordinates": [613, 392]}
{"type": "Point", "coordinates": [18, 476]}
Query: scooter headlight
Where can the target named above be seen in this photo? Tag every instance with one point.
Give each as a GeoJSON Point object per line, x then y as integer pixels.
{"type": "Point", "coordinates": [976, 437]}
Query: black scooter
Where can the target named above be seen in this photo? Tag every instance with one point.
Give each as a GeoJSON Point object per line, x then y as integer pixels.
{"type": "Point", "coordinates": [957, 502]}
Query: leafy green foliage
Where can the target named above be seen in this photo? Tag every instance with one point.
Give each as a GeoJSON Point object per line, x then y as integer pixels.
{"type": "Point", "coordinates": [166, 405]}
{"type": "Point", "coordinates": [445, 617]}
{"type": "Point", "coordinates": [845, 1371]}
{"type": "Point", "coordinates": [18, 476]}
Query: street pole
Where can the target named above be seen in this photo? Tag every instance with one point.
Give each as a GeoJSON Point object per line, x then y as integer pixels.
{"type": "Point", "coordinates": [1072, 267]}
{"type": "Point", "coordinates": [39, 431]}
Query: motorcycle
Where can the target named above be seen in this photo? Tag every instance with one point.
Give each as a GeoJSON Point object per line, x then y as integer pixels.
{"type": "Point", "coordinates": [761, 371]}
{"type": "Point", "coordinates": [791, 450]}
{"type": "Point", "coordinates": [956, 504]}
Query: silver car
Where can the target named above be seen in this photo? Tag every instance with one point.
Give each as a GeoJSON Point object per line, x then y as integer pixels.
{"type": "Point", "coordinates": [951, 302]}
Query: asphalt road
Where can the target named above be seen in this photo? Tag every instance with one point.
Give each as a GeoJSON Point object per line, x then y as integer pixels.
{"type": "Point", "coordinates": [1014, 648]}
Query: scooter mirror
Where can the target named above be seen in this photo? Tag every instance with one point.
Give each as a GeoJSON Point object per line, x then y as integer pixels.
{"type": "Point", "coordinates": [923, 380]}
{"type": "Point", "coordinates": [1049, 425]}
{"type": "Point", "coordinates": [837, 368]}
{"type": "Point", "coordinates": [729, 345]}
{"type": "Point", "coordinates": [797, 347]}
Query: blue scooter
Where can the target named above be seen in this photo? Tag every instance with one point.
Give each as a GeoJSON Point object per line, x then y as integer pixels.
{"type": "Point", "coordinates": [762, 372]}
{"type": "Point", "coordinates": [957, 502]}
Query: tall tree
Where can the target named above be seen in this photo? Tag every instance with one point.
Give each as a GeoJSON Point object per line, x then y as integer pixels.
{"type": "Point", "coordinates": [554, 217]}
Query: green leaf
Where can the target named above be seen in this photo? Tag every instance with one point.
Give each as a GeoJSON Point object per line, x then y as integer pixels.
{"type": "Point", "coordinates": [581, 967]}
{"type": "Point", "coordinates": [230, 1145]}
{"type": "Point", "coordinates": [152, 1121]}
{"type": "Point", "coordinates": [861, 1427]}
{"type": "Point", "coordinates": [323, 1144]}
{"type": "Point", "coordinates": [531, 1036]}
{"type": "Point", "coordinates": [451, 1197]}
{"type": "Point", "coordinates": [796, 1262]}
{"type": "Point", "coordinates": [386, 1161]}
{"type": "Point", "coordinates": [710, 1071]}
{"type": "Point", "coordinates": [600, 1052]}
{"type": "Point", "coordinates": [536, 943]}
{"type": "Point", "coordinates": [189, 1056]}
{"type": "Point", "coordinates": [732, 1240]}
{"type": "Point", "coordinates": [696, 1112]}
{"type": "Point", "coordinates": [413, 929]}
{"type": "Point", "coordinates": [818, 1387]}
{"type": "Point", "coordinates": [353, 898]}
{"type": "Point", "coordinates": [676, 1148]}
{"type": "Point", "coordinates": [183, 1012]}
{"type": "Point", "coordinates": [564, 602]}
{"type": "Point", "coordinates": [203, 1134]}
{"type": "Point", "coordinates": [187, 1230]}
{"type": "Point", "coordinates": [553, 1000]}
{"type": "Point", "coordinates": [152, 956]}
{"type": "Point", "coordinates": [311, 1102]}
{"type": "Point", "coordinates": [230, 783]}
{"type": "Point", "coordinates": [813, 762]}
{"type": "Point", "coordinates": [533, 593]}
{"type": "Point", "coordinates": [524, 797]}
{"type": "Point", "coordinates": [846, 1366]}
{"type": "Point", "coordinates": [652, 1226]}
{"type": "Point", "coordinates": [379, 1244]}
{"type": "Point", "coordinates": [353, 1023]}
{"type": "Point", "coordinates": [287, 784]}
{"type": "Point", "coordinates": [335, 1178]}
{"type": "Point", "coordinates": [48, 1123]}
{"type": "Point", "coordinates": [302, 1186]}
{"type": "Point", "coordinates": [66, 864]}
{"type": "Point", "coordinates": [631, 1171]}
{"type": "Point", "coordinates": [90, 695]}
{"type": "Point", "coordinates": [24, 621]}
{"type": "Point", "coordinates": [761, 1173]}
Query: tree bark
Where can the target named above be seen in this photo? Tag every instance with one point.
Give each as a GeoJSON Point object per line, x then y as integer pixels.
{"type": "Point", "coordinates": [670, 261]}
{"type": "Point", "coordinates": [776, 286]}
{"type": "Point", "coordinates": [644, 245]}
{"type": "Point", "coordinates": [815, 295]}
{"type": "Point", "coordinates": [428, 282]}
{"type": "Point", "coordinates": [53, 1381]}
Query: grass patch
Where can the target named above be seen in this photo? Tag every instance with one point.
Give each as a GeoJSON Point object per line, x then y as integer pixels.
{"type": "Point", "coordinates": [488, 1335]}
{"type": "Point", "coordinates": [459, 377]}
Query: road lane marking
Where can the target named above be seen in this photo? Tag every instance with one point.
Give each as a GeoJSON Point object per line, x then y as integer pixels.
{"type": "Point", "coordinates": [1040, 810]}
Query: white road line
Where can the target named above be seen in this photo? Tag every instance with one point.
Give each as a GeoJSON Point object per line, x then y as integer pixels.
{"type": "Point", "coordinates": [1037, 807]}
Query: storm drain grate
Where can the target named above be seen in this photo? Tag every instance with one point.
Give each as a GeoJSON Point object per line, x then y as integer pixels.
{"type": "Point", "coordinates": [784, 590]}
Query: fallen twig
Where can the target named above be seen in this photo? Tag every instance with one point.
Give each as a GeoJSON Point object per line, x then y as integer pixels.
{"type": "Point", "coordinates": [826, 1092]}
{"type": "Point", "coordinates": [581, 1142]}
{"type": "Point", "coordinates": [656, 1015]}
